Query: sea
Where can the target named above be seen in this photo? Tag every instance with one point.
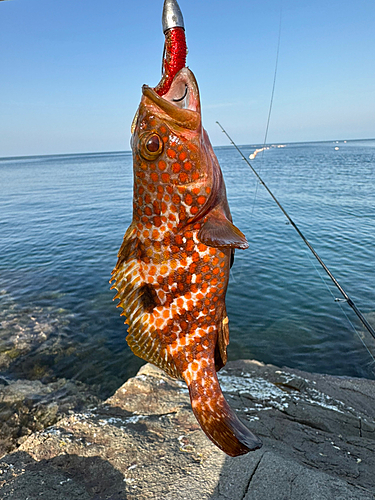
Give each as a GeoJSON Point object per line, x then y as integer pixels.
{"type": "Point", "coordinates": [62, 220]}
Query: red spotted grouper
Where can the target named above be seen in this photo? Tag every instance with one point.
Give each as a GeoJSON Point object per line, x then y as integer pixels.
{"type": "Point", "coordinates": [173, 266]}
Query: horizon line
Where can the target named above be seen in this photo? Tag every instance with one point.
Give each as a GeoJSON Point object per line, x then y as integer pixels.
{"type": "Point", "coordinates": [222, 146]}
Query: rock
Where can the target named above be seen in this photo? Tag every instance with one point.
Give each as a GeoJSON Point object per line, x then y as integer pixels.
{"type": "Point", "coordinates": [144, 443]}
{"type": "Point", "coordinates": [27, 406]}
{"type": "Point", "coordinates": [27, 328]}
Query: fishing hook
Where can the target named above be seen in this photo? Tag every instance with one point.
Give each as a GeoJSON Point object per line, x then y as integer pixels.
{"type": "Point", "coordinates": [183, 97]}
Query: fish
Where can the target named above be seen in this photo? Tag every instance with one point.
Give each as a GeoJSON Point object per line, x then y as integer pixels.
{"type": "Point", "coordinates": [173, 266]}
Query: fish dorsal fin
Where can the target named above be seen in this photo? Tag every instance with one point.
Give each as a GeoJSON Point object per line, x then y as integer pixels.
{"type": "Point", "coordinates": [138, 301]}
{"type": "Point", "coordinates": [218, 231]}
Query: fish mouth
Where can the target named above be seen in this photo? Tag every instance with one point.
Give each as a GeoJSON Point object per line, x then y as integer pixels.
{"type": "Point", "coordinates": [181, 103]}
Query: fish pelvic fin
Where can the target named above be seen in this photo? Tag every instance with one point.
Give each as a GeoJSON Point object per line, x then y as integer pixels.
{"type": "Point", "coordinates": [216, 418]}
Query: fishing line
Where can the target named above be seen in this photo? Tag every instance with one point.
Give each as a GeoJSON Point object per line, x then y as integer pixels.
{"type": "Point", "coordinates": [333, 279]}
{"type": "Point", "coordinates": [274, 78]}
{"type": "Point", "coordinates": [339, 302]}
{"type": "Point", "coordinates": [271, 101]}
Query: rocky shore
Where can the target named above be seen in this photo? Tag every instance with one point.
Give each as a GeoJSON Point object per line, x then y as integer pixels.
{"type": "Point", "coordinates": [144, 442]}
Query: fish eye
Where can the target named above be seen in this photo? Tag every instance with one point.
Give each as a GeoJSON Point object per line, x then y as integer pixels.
{"type": "Point", "coordinates": [151, 146]}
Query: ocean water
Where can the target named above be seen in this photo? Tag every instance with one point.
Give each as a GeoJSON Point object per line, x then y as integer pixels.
{"type": "Point", "coordinates": [62, 220]}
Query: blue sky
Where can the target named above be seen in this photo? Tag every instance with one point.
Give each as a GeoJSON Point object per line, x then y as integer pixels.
{"type": "Point", "coordinates": [71, 71]}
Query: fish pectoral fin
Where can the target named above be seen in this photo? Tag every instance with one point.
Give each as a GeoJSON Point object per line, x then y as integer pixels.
{"type": "Point", "coordinates": [218, 231]}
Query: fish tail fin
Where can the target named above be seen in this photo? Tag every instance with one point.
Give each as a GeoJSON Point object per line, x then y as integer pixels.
{"type": "Point", "coordinates": [217, 419]}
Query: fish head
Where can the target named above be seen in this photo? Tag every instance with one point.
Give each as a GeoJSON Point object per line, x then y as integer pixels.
{"type": "Point", "coordinates": [161, 124]}
{"type": "Point", "coordinates": [171, 147]}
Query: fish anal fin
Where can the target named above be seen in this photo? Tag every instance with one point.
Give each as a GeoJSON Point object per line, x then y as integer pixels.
{"type": "Point", "coordinates": [221, 356]}
{"type": "Point", "coordinates": [218, 231]}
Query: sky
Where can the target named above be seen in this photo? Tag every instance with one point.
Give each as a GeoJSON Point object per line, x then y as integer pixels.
{"type": "Point", "coordinates": [71, 72]}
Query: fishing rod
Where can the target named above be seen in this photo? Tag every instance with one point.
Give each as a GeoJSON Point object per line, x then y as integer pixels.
{"type": "Point", "coordinates": [350, 302]}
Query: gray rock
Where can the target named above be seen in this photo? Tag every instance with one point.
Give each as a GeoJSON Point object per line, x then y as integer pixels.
{"type": "Point", "coordinates": [27, 406]}
{"type": "Point", "coordinates": [144, 443]}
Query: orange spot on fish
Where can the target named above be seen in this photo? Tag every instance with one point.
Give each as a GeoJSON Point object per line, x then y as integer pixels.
{"type": "Point", "coordinates": [164, 269]}
{"type": "Point", "coordinates": [154, 176]}
{"type": "Point", "coordinates": [188, 199]}
{"type": "Point", "coordinates": [182, 156]}
{"type": "Point", "coordinates": [171, 153]}
{"type": "Point", "coordinates": [165, 177]}
{"type": "Point", "coordinates": [190, 246]}
{"type": "Point", "coordinates": [183, 177]}
{"type": "Point", "coordinates": [162, 165]}
{"type": "Point", "coordinates": [201, 200]}
{"type": "Point", "coordinates": [157, 221]}
{"type": "Point", "coordinates": [159, 322]}
{"type": "Point", "coordinates": [194, 366]}
{"type": "Point", "coordinates": [188, 165]}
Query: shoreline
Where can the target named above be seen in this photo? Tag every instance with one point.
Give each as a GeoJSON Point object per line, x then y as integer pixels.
{"type": "Point", "coordinates": [144, 442]}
